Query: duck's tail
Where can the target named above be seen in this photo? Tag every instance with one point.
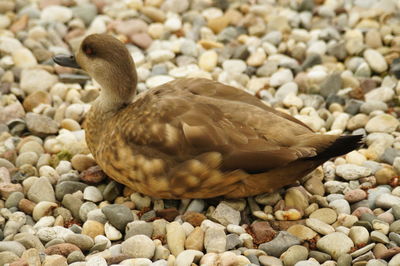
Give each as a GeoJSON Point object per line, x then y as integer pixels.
{"type": "Point", "coordinates": [340, 146]}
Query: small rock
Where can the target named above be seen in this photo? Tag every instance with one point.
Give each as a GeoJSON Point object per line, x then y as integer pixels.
{"type": "Point", "coordinates": [138, 246]}
{"type": "Point", "coordinates": [382, 123]}
{"type": "Point", "coordinates": [215, 240]}
{"type": "Point", "coordinates": [279, 244]}
{"type": "Point", "coordinates": [36, 79]}
{"type": "Point", "coordinates": [61, 249]}
{"type": "Point", "coordinates": [118, 215]}
{"type": "Point", "coordinates": [175, 238]}
{"type": "Point", "coordinates": [376, 61]}
{"type": "Point", "coordinates": [294, 254]}
{"type": "Point", "coordinates": [224, 214]}
{"type": "Point", "coordinates": [335, 244]}
{"type": "Point", "coordinates": [319, 226]}
{"type": "Point", "coordinates": [41, 125]}
{"type": "Point", "coordinates": [351, 171]}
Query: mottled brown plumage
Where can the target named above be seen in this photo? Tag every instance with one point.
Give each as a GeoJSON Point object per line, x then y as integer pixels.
{"type": "Point", "coordinates": [192, 138]}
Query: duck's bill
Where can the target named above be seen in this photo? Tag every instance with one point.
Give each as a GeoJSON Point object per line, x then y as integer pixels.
{"type": "Point", "coordinates": [66, 61]}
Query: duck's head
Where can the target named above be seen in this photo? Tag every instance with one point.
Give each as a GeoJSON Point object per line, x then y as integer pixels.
{"type": "Point", "coordinates": [109, 62]}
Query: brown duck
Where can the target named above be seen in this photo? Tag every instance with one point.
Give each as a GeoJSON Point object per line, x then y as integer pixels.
{"type": "Point", "coordinates": [192, 138]}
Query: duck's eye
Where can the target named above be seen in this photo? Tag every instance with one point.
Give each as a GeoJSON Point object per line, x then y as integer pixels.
{"type": "Point", "coordinates": [88, 50]}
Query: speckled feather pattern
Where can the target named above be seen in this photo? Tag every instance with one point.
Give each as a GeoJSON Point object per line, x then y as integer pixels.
{"type": "Point", "coordinates": [196, 138]}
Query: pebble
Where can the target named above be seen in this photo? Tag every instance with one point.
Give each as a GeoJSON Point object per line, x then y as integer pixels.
{"type": "Point", "coordinates": [33, 80]}
{"type": "Point", "coordinates": [118, 215]}
{"type": "Point", "coordinates": [335, 244]}
{"type": "Point", "coordinates": [294, 254]}
{"type": "Point", "coordinates": [352, 172]}
{"type": "Point", "coordinates": [214, 240]}
{"type": "Point", "coordinates": [138, 246]}
{"type": "Point", "coordinates": [224, 214]}
{"type": "Point", "coordinates": [382, 123]}
{"type": "Point", "coordinates": [187, 257]}
{"type": "Point", "coordinates": [41, 190]}
{"type": "Point", "coordinates": [376, 61]}
{"type": "Point", "coordinates": [319, 226]}
{"type": "Point", "coordinates": [175, 238]}
{"type": "Point", "coordinates": [359, 235]}
{"type": "Point", "coordinates": [325, 215]}
{"type": "Point", "coordinates": [280, 244]}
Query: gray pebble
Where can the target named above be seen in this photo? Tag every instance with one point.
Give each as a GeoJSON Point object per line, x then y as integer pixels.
{"type": "Point", "coordinates": [138, 228]}
{"type": "Point", "coordinates": [73, 204]}
{"type": "Point", "coordinates": [68, 187]}
{"type": "Point", "coordinates": [280, 244]}
{"type": "Point", "coordinates": [14, 199]}
{"type": "Point", "coordinates": [75, 256]}
{"type": "Point", "coordinates": [232, 241]}
{"type": "Point", "coordinates": [12, 246]}
{"type": "Point", "coordinates": [41, 190]}
{"type": "Point", "coordinates": [118, 215]}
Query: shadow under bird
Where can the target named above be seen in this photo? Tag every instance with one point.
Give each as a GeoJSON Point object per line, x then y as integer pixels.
{"type": "Point", "coordinates": [192, 137]}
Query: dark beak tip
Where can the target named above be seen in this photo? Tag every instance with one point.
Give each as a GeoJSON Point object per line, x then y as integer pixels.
{"type": "Point", "coordinates": [66, 61]}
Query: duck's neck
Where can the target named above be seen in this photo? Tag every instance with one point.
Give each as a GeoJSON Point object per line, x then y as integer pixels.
{"type": "Point", "coordinates": [115, 94]}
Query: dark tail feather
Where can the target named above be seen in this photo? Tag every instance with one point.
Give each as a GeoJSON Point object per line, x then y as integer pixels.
{"type": "Point", "coordinates": [341, 146]}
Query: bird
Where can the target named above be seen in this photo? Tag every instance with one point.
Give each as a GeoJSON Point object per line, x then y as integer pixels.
{"type": "Point", "coordinates": [192, 137]}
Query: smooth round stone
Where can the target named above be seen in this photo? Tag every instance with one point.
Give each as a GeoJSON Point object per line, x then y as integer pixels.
{"type": "Point", "coordinates": [379, 237]}
{"type": "Point", "coordinates": [85, 208]}
{"type": "Point", "coordinates": [335, 244]}
{"type": "Point", "coordinates": [208, 60]}
{"type": "Point", "coordinates": [281, 77]}
{"type": "Point", "coordinates": [319, 226]}
{"type": "Point", "coordinates": [340, 206]}
{"type": "Point", "coordinates": [26, 158]}
{"type": "Point", "coordinates": [75, 256]}
{"type": "Point", "coordinates": [187, 257]}
{"type": "Point", "coordinates": [82, 162]}
{"type": "Point", "coordinates": [376, 262]}
{"type": "Point", "coordinates": [270, 260]}
{"type": "Point", "coordinates": [14, 199]}
{"type": "Point", "coordinates": [376, 61]}
{"type": "Point", "coordinates": [138, 246]}
{"type": "Point", "coordinates": [139, 228]}
{"type": "Point", "coordinates": [93, 194]}
{"type": "Point", "coordinates": [386, 201]}
{"type": "Point", "coordinates": [43, 208]}
{"type": "Point", "coordinates": [111, 232]}
{"type": "Point", "coordinates": [382, 123]}
{"type": "Point", "coordinates": [359, 235]}
{"type": "Point", "coordinates": [326, 215]}
{"type": "Point", "coordinates": [302, 232]}
{"type": "Point", "coordinates": [380, 226]}
{"type": "Point", "coordinates": [355, 195]}
{"type": "Point", "coordinates": [352, 171]}
{"type": "Point", "coordinates": [118, 215]}
{"type": "Point", "coordinates": [92, 228]}
{"type": "Point", "coordinates": [294, 254]}
{"type": "Point", "coordinates": [56, 14]}
{"type": "Point", "coordinates": [296, 199]}
{"type": "Point", "coordinates": [83, 242]}
{"type": "Point", "coordinates": [12, 246]}
{"type": "Point", "coordinates": [234, 66]}
{"type": "Point", "coordinates": [175, 237]}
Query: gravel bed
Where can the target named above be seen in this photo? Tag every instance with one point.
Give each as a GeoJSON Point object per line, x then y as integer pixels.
{"type": "Point", "coordinates": [331, 64]}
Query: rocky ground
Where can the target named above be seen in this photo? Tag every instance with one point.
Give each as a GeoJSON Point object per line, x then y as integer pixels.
{"type": "Point", "coordinates": [329, 63]}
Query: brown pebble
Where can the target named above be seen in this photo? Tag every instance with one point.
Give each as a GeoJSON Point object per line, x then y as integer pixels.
{"type": "Point", "coordinates": [19, 262]}
{"type": "Point", "coordinates": [20, 23]}
{"type": "Point", "coordinates": [194, 218]}
{"type": "Point", "coordinates": [7, 188]}
{"type": "Point", "coordinates": [92, 228]}
{"type": "Point", "coordinates": [168, 214]}
{"type": "Point", "coordinates": [388, 253]}
{"type": "Point", "coordinates": [284, 225]}
{"type": "Point", "coordinates": [82, 162]}
{"type": "Point", "coordinates": [195, 239]}
{"type": "Point", "coordinates": [93, 175]}
{"type": "Point", "coordinates": [141, 39]}
{"type": "Point", "coordinates": [63, 249]}
{"type": "Point", "coordinates": [116, 259]}
{"type": "Point", "coordinates": [26, 206]}
{"type": "Point", "coordinates": [35, 99]}
{"type": "Point", "coordinates": [262, 232]}
{"type": "Point", "coordinates": [360, 210]}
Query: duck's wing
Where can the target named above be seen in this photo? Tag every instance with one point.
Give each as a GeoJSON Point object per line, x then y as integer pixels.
{"type": "Point", "coordinates": [217, 90]}
{"type": "Point", "coordinates": [183, 123]}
